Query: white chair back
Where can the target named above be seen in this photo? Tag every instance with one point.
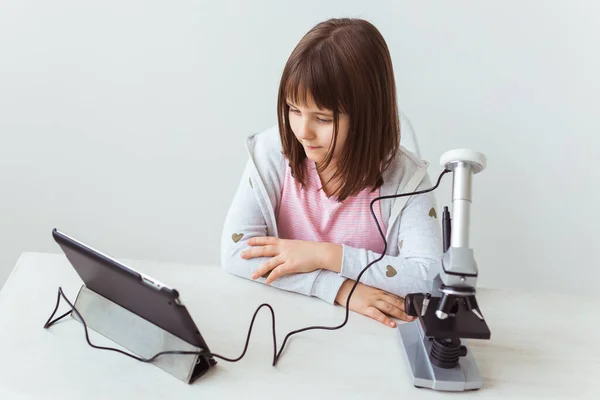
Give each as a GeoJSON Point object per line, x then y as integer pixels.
{"type": "Point", "coordinates": [408, 139]}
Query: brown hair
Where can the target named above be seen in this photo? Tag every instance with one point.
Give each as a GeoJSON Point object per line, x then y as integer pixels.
{"type": "Point", "coordinates": [345, 66]}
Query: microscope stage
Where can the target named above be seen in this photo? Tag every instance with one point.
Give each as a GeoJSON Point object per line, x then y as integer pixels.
{"type": "Point", "coordinates": [465, 324]}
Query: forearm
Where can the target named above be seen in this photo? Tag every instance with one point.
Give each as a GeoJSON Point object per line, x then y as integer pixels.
{"type": "Point", "coordinates": [319, 283]}
{"type": "Point", "coordinates": [394, 274]}
{"type": "Point", "coordinates": [342, 296]}
{"type": "Point", "coordinates": [331, 256]}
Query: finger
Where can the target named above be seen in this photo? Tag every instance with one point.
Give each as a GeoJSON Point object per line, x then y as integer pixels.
{"type": "Point", "coordinates": [261, 240]}
{"type": "Point", "coordinates": [394, 300]}
{"type": "Point", "coordinates": [397, 301]}
{"type": "Point", "coordinates": [379, 316]}
{"type": "Point", "coordinates": [401, 304]}
{"type": "Point", "coordinates": [266, 267]}
{"type": "Point", "coordinates": [261, 251]}
{"type": "Point", "coordinates": [392, 310]}
{"type": "Point", "coordinates": [281, 270]}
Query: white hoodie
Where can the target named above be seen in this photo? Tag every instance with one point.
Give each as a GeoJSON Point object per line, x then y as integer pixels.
{"type": "Point", "coordinates": [413, 231]}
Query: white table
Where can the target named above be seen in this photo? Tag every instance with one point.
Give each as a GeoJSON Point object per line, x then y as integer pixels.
{"type": "Point", "coordinates": [541, 346]}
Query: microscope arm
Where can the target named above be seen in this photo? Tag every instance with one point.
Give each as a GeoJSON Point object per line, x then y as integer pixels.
{"type": "Point", "coordinates": [455, 275]}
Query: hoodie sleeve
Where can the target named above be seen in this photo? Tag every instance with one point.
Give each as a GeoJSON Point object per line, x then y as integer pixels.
{"type": "Point", "coordinates": [245, 219]}
{"type": "Point", "coordinates": [419, 243]}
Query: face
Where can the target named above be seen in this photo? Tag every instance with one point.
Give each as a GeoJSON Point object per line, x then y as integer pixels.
{"type": "Point", "coordinates": [313, 127]}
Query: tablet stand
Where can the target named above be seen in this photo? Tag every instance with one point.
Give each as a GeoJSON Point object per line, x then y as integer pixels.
{"type": "Point", "coordinates": [139, 336]}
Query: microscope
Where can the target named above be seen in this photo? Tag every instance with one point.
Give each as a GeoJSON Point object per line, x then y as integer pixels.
{"type": "Point", "coordinates": [449, 314]}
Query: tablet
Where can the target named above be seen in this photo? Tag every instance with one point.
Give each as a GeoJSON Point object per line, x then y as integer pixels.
{"type": "Point", "coordinates": [147, 297]}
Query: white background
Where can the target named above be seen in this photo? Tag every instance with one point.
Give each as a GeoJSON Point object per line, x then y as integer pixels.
{"type": "Point", "coordinates": [123, 122]}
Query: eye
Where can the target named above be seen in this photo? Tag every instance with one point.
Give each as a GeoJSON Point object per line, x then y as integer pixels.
{"type": "Point", "coordinates": [323, 120]}
{"type": "Point", "coordinates": [294, 111]}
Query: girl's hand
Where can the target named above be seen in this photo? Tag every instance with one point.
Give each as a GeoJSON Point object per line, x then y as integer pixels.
{"type": "Point", "coordinates": [289, 256]}
{"type": "Point", "coordinates": [373, 303]}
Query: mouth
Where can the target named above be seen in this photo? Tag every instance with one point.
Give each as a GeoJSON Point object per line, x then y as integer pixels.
{"type": "Point", "coordinates": [312, 147]}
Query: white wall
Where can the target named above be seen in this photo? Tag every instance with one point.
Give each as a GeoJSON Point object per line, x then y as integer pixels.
{"type": "Point", "coordinates": [119, 118]}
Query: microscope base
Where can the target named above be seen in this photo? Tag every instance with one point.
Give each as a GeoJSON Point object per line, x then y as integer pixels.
{"type": "Point", "coordinates": [465, 376]}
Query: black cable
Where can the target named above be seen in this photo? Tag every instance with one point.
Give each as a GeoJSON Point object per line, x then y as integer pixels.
{"type": "Point", "coordinates": [276, 355]}
{"type": "Point", "coordinates": [51, 322]}
{"type": "Point", "coordinates": [368, 265]}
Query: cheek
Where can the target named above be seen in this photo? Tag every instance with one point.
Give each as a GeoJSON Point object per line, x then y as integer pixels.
{"type": "Point", "coordinates": [340, 144]}
{"type": "Point", "coordinates": [342, 141]}
{"type": "Point", "coordinates": [342, 135]}
{"type": "Point", "coordinates": [293, 119]}
{"type": "Point", "coordinates": [325, 135]}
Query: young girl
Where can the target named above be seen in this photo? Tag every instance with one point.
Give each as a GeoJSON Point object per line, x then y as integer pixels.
{"type": "Point", "coordinates": [300, 219]}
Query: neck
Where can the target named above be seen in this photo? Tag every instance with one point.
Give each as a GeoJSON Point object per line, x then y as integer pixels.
{"type": "Point", "coordinates": [329, 185]}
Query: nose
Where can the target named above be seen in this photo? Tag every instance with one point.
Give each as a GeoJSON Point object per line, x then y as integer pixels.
{"type": "Point", "coordinates": [305, 130]}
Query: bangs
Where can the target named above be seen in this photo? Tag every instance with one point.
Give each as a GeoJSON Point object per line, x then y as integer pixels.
{"type": "Point", "coordinates": [311, 78]}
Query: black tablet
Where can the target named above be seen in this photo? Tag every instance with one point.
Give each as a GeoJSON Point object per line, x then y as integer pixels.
{"type": "Point", "coordinates": [134, 291]}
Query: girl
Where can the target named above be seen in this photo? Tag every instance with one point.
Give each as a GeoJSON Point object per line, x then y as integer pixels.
{"type": "Point", "coordinates": [300, 219]}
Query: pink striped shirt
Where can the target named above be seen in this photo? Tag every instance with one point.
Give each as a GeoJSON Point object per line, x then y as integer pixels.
{"type": "Point", "coordinates": [308, 214]}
